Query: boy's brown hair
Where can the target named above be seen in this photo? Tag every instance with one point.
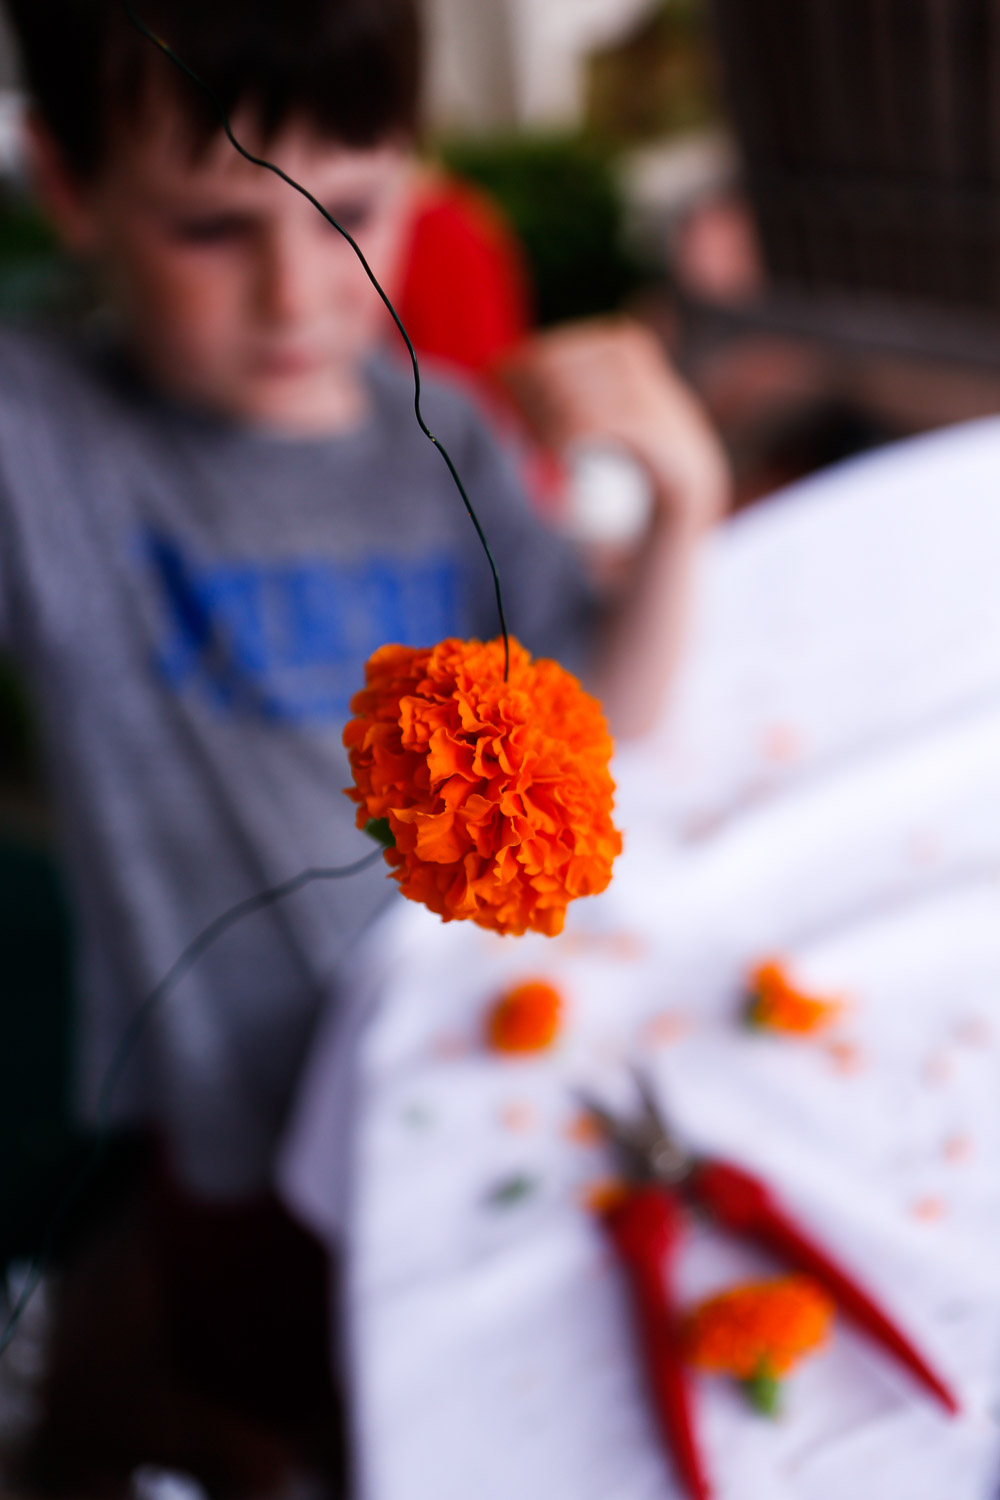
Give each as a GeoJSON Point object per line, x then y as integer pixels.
{"type": "Point", "coordinates": [349, 68]}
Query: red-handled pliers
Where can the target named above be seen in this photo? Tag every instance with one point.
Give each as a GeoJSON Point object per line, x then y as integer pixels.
{"type": "Point", "coordinates": [646, 1226]}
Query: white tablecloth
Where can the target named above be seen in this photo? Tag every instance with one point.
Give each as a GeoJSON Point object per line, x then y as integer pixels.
{"type": "Point", "coordinates": [827, 788]}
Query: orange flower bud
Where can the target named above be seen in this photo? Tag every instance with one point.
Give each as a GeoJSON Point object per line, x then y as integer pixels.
{"type": "Point", "coordinates": [605, 1194]}
{"type": "Point", "coordinates": [526, 1019]}
{"type": "Point", "coordinates": [776, 1004]}
{"type": "Point", "coordinates": [758, 1332]}
{"type": "Point", "coordinates": [495, 796]}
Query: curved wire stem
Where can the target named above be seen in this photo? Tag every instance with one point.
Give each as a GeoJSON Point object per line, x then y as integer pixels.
{"type": "Point", "coordinates": [270, 166]}
{"type": "Point", "coordinates": [130, 1040]}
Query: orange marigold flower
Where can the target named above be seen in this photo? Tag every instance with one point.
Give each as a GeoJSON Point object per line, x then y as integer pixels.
{"type": "Point", "coordinates": [605, 1194]}
{"type": "Point", "coordinates": [497, 794]}
{"type": "Point", "coordinates": [759, 1331]}
{"type": "Point", "coordinates": [526, 1018]}
{"type": "Point", "coordinates": [776, 1004]}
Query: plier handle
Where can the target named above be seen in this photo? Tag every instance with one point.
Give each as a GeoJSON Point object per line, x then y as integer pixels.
{"type": "Point", "coordinates": [646, 1225]}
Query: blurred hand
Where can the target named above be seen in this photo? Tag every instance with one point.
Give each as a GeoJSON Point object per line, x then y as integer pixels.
{"type": "Point", "coordinates": [609, 379]}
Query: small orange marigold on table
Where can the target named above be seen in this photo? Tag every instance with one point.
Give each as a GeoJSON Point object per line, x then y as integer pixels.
{"type": "Point", "coordinates": [758, 1332]}
{"type": "Point", "coordinates": [496, 796]}
{"type": "Point", "coordinates": [776, 1004]}
{"type": "Point", "coordinates": [526, 1019]}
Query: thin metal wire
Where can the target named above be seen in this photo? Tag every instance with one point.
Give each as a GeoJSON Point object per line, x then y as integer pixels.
{"type": "Point", "coordinates": [270, 166]}
{"type": "Point", "coordinates": [126, 1046]}
{"type": "Point", "coordinates": [251, 904]}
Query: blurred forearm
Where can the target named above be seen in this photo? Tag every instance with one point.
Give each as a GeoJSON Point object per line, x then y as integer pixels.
{"type": "Point", "coordinates": [610, 381]}
{"type": "Point", "coordinates": [645, 632]}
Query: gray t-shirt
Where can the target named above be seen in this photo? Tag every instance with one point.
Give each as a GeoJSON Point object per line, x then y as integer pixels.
{"type": "Point", "coordinates": [192, 603]}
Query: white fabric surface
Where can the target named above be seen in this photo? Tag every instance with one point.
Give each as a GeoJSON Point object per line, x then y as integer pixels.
{"type": "Point", "coordinates": [827, 789]}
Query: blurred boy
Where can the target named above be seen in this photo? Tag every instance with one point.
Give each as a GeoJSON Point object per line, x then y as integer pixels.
{"type": "Point", "coordinates": [213, 513]}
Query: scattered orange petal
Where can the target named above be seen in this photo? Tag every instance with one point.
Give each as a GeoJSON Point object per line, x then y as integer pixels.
{"type": "Point", "coordinates": [782, 743]}
{"type": "Point", "coordinates": [527, 1018]}
{"type": "Point", "coordinates": [928, 1210]}
{"type": "Point", "coordinates": [520, 1117]}
{"type": "Point", "coordinates": [958, 1148]}
{"type": "Point", "coordinates": [624, 946]}
{"type": "Point", "coordinates": [666, 1028]}
{"type": "Point", "coordinates": [601, 1196]}
{"type": "Point", "coordinates": [610, 1050]}
{"type": "Point", "coordinates": [923, 847]}
{"type": "Point", "coordinates": [759, 1324]}
{"type": "Point", "coordinates": [629, 947]}
{"type": "Point", "coordinates": [703, 825]}
{"type": "Point", "coordinates": [584, 1130]}
{"type": "Point", "coordinates": [938, 1069]}
{"type": "Point", "coordinates": [847, 1057]}
{"type": "Point", "coordinates": [776, 1004]}
{"type": "Point", "coordinates": [496, 793]}
{"type": "Point", "coordinates": [975, 1031]}
{"type": "Point", "coordinates": [447, 1047]}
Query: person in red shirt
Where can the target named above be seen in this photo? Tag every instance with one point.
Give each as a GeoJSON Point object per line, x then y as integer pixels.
{"type": "Point", "coordinates": [464, 295]}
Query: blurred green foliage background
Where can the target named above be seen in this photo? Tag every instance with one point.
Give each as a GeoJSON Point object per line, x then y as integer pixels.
{"type": "Point", "coordinates": [561, 195]}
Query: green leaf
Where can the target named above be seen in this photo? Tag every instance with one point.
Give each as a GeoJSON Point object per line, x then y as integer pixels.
{"type": "Point", "coordinates": [764, 1391]}
{"type": "Point", "coordinates": [512, 1190]}
{"type": "Point", "coordinates": [379, 830]}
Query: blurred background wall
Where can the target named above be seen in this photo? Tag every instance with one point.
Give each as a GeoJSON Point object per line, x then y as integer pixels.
{"type": "Point", "coordinates": [8, 69]}
{"type": "Point", "coordinates": [507, 64]}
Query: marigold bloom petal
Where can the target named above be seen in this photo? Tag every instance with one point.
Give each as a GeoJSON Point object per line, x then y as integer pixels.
{"type": "Point", "coordinates": [526, 1019]}
{"type": "Point", "coordinates": [776, 1004]}
{"type": "Point", "coordinates": [758, 1325]}
{"type": "Point", "coordinates": [498, 794]}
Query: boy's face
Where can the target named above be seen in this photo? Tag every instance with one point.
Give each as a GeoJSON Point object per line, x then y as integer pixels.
{"type": "Point", "coordinates": [237, 295]}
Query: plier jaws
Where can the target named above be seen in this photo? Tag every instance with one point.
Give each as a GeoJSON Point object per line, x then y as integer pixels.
{"type": "Point", "coordinates": [646, 1224]}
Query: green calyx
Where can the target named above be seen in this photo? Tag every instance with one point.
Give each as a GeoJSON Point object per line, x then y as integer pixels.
{"type": "Point", "coordinates": [751, 1012]}
{"type": "Point", "coordinates": [764, 1391]}
{"type": "Point", "coordinates": [512, 1190]}
{"type": "Point", "coordinates": [379, 830]}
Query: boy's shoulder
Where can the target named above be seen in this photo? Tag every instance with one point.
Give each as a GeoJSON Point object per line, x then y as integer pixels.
{"type": "Point", "coordinates": [75, 399]}
{"type": "Point", "coordinates": [30, 352]}
{"type": "Point", "coordinates": [451, 410]}
{"type": "Point", "coordinates": [53, 373]}
{"type": "Point", "coordinates": [48, 378]}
